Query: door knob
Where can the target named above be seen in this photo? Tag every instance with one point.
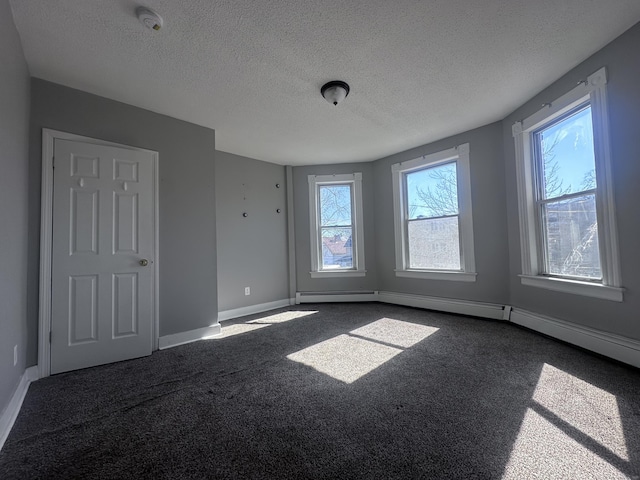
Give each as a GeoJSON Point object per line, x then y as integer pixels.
{"type": "Point", "coordinates": [144, 262]}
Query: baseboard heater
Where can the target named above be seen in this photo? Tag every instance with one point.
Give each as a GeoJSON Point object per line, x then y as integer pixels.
{"type": "Point", "coordinates": [332, 297]}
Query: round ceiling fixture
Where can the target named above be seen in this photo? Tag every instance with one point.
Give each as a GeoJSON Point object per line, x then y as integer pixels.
{"type": "Point", "coordinates": [149, 18]}
{"type": "Point", "coordinates": [335, 91]}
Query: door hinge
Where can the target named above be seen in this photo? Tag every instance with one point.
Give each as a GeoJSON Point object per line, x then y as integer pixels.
{"type": "Point", "coordinates": [50, 336]}
{"type": "Point", "coordinates": [53, 162]}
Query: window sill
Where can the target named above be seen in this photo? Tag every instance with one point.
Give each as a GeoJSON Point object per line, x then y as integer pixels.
{"type": "Point", "coordinates": [338, 273]}
{"type": "Point", "coordinates": [574, 286]}
{"type": "Point", "coordinates": [435, 275]}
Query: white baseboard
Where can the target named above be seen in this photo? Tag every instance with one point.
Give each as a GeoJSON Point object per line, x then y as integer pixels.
{"type": "Point", "coordinates": [169, 341]}
{"type": "Point", "coordinates": [336, 297]}
{"type": "Point", "coordinates": [251, 309]}
{"type": "Point", "coordinates": [463, 307]}
{"type": "Point", "coordinates": [10, 414]}
{"type": "Point", "coordinates": [614, 346]}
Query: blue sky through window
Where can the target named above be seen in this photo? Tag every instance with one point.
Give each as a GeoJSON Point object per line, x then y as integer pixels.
{"type": "Point", "coordinates": [432, 192]}
{"type": "Point", "coordinates": [569, 160]}
{"type": "Point", "coordinates": [335, 205]}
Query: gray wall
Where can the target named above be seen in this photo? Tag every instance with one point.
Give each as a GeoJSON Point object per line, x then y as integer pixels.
{"type": "Point", "coordinates": [14, 132]}
{"type": "Point", "coordinates": [489, 220]}
{"type": "Point", "coordinates": [252, 251]}
{"type": "Point", "coordinates": [301, 220]}
{"type": "Point", "coordinates": [188, 290]}
{"type": "Point", "coordinates": [621, 59]}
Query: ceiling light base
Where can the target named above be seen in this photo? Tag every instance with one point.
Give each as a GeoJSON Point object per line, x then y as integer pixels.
{"type": "Point", "coordinates": [335, 91]}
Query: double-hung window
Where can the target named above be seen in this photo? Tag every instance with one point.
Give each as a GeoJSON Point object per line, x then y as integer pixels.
{"type": "Point", "coordinates": [433, 220]}
{"type": "Point", "coordinates": [567, 222]}
{"type": "Point", "coordinates": [335, 212]}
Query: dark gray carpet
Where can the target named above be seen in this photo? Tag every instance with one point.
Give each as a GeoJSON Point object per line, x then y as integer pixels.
{"type": "Point", "coordinates": [472, 399]}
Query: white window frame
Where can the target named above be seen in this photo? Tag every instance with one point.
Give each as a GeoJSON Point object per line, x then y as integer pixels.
{"type": "Point", "coordinates": [592, 91]}
{"type": "Point", "coordinates": [460, 155]}
{"type": "Point", "coordinates": [357, 234]}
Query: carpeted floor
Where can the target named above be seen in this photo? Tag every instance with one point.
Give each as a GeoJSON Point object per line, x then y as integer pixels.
{"type": "Point", "coordinates": [339, 391]}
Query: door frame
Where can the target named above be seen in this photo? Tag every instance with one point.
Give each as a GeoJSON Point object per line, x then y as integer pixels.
{"type": "Point", "coordinates": [46, 237]}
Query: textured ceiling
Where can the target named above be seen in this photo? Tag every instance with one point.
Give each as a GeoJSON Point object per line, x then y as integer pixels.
{"type": "Point", "coordinates": [419, 70]}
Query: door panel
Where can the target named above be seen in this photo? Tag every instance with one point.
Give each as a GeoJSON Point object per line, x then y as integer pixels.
{"type": "Point", "coordinates": [102, 297]}
{"type": "Point", "coordinates": [125, 221]}
{"type": "Point", "coordinates": [125, 304]}
{"type": "Point", "coordinates": [83, 312]}
{"type": "Point", "coordinates": [84, 222]}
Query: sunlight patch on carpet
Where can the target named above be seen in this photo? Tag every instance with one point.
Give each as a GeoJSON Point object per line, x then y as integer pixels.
{"type": "Point", "coordinates": [350, 356]}
{"type": "Point", "coordinates": [395, 332]}
{"type": "Point", "coordinates": [237, 329]}
{"type": "Point", "coordinates": [283, 317]}
{"type": "Point", "coordinates": [345, 358]}
{"type": "Point", "coordinates": [545, 451]}
{"type": "Point", "coordinates": [572, 430]}
{"type": "Point", "coordinates": [585, 407]}
{"type": "Point", "coordinates": [229, 330]}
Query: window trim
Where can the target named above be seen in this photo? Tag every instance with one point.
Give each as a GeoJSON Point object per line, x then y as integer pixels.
{"type": "Point", "coordinates": [592, 91]}
{"type": "Point", "coordinates": [460, 155]}
{"type": "Point", "coordinates": [357, 235]}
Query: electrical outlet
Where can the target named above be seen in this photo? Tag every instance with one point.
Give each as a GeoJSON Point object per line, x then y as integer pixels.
{"type": "Point", "coordinates": [247, 290]}
{"type": "Point", "coordinates": [15, 355]}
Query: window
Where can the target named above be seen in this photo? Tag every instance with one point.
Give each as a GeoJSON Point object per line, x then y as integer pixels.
{"type": "Point", "coordinates": [433, 220]}
{"type": "Point", "coordinates": [335, 211]}
{"type": "Point", "coordinates": [567, 223]}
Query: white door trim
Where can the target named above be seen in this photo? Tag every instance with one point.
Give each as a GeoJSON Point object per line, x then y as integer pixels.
{"type": "Point", "coordinates": [46, 228]}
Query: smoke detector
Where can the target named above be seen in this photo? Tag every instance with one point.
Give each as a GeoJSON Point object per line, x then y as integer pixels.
{"type": "Point", "coordinates": [149, 18]}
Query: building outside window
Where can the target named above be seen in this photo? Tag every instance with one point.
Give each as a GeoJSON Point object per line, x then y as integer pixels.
{"type": "Point", "coordinates": [567, 221]}
{"type": "Point", "coordinates": [335, 212]}
{"type": "Point", "coordinates": [566, 198]}
{"type": "Point", "coordinates": [433, 217]}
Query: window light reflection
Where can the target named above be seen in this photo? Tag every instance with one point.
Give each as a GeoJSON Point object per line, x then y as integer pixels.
{"type": "Point", "coordinates": [236, 329]}
{"type": "Point", "coordinates": [283, 316]}
{"type": "Point", "coordinates": [543, 450]}
{"type": "Point", "coordinates": [349, 357]}
{"type": "Point", "coordinates": [586, 407]}
{"type": "Point", "coordinates": [345, 358]}
{"type": "Point", "coordinates": [229, 330]}
{"type": "Point", "coordinates": [395, 332]}
{"type": "Point", "coordinates": [572, 430]}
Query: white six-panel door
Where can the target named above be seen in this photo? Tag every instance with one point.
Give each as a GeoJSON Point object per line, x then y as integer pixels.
{"type": "Point", "coordinates": [102, 255]}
